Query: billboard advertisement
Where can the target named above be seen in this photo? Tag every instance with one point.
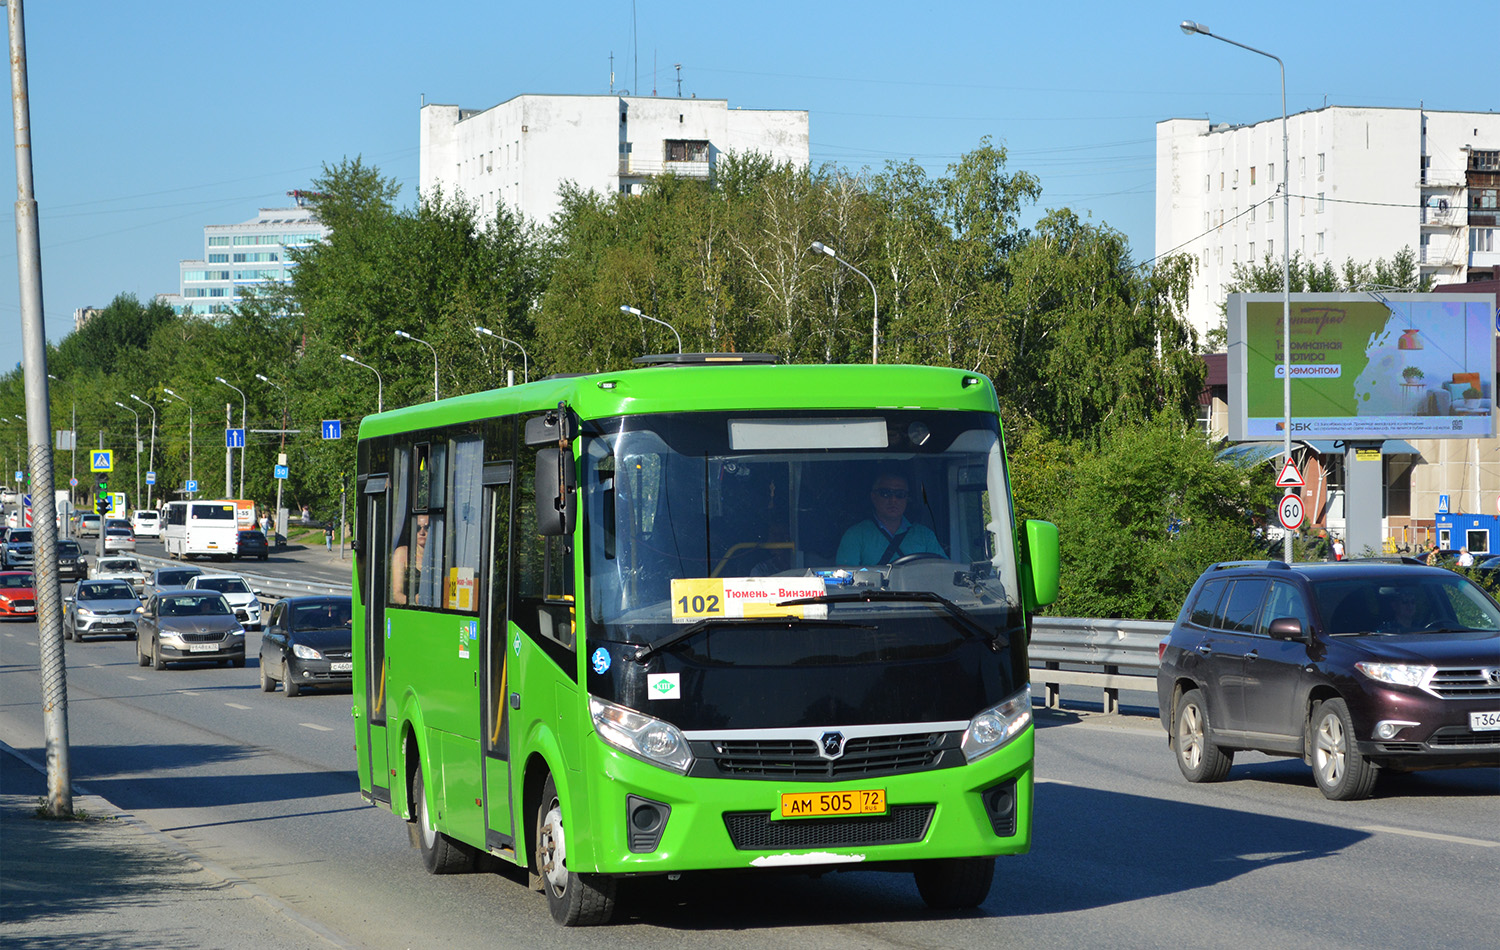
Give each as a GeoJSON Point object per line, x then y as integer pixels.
{"type": "Point", "coordinates": [1365, 366]}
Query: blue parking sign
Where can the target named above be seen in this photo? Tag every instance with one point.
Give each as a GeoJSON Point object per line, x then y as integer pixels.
{"type": "Point", "coordinates": [190, 485]}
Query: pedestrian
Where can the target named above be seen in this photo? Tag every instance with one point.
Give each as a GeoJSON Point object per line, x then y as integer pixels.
{"type": "Point", "coordinates": [328, 537]}
{"type": "Point", "coordinates": [1338, 548]}
{"type": "Point", "coordinates": [306, 514]}
{"type": "Point", "coordinates": [1432, 555]}
{"type": "Point", "coordinates": [1465, 559]}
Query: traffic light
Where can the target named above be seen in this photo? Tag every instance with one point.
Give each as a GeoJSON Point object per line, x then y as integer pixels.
{"type": "Point", "coordinates": [103, 503]}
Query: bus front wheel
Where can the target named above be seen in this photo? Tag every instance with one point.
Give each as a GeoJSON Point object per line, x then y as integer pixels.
{"type": "Point", "coordinates": [575, 899]}
{"type": "Point", "coordinates": [955, 883]}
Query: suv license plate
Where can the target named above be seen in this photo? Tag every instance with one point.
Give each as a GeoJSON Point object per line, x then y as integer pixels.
{"type": "Point", "coordinates": [865, 801]}
{"type": "Point", "coordinates": [203, 648]}
{"type": "Point", "coordinates": [1485, 721]}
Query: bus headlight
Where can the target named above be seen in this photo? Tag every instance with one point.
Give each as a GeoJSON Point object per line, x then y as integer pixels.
{"type": "Point", "coordinates": [641, 736]}
{"type": "Point", "coordinates": [997, 725]}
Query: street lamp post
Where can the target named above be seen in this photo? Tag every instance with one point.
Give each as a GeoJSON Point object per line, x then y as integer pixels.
{"type": "Point", "coordinates": [150, 459]}
{"type": "Point", "coordinates": [626, 308]}
{"type": "Point", "coordinates": [137, 454]}
{"type": "Point", "coordinates": [818, 247]}
{"type": "Point", "coordinates": [280, 481]}
{"type": "Point", "coordinates": [72, 443]}
{"type": "Point", "coordinates": [379, 382]}
{"type": "Point", "coordinates": [243, 431]}
{"type": "Point", "coordinates": [1190, 28]}
{"type": "Point", "coordinates": [190, 431]}
{"type": "Point", "coordinates": [407, 336]}
{"type": "Point", "coordinates": [525, 358]}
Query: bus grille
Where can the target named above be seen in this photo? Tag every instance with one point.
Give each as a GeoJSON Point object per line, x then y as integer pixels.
{"type": "Point", "coordinates": [798, 758]}
{"type": "Point", "coordinates": [755, 831]}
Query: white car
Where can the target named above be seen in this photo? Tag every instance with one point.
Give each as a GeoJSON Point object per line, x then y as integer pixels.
{"type": "Point", "coordinates": [244, 601]}
{"type": "Point", "coordinates": [146, 523]}
{"type": "Point", "coordinates": [120, 568]}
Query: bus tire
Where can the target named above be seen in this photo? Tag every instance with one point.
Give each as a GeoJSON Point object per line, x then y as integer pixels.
{"type": "Point", "coordinates": [575, 899]}
{"type": "Point", "coordinates": [955, 883]}
{"type": "Point", "coordinates": [440, 853]}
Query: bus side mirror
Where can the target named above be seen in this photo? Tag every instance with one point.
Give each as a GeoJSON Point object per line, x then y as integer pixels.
{"type": "Point", "coordinates": [556, 478]}
{"type": "Point", "coordinates": [1040, 565]}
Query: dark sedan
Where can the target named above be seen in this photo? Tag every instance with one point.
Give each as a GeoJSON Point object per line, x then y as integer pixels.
{"type": "Point", "coordinates": [70, 563]}
{"type": "Point", "coordinates": [100, 607]}
{"type": "Point", "coordinates": [307, 642]}
{"type": "Point", "coordinates": [189, 626]}
{"type": "Point", "coordinates": [252, 543]}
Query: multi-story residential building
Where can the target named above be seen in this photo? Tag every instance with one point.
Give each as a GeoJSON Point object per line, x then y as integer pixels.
{"type": "Point", "coordinates": [251, 254]}
{"type": "Point", "coordinates": [1363, 184]}
{"type": "Point", "coordinates": [519, 152]}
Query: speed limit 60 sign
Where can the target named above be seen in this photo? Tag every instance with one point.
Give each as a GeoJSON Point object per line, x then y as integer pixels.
{"type": "Point", "coordinates": [1290, 511]}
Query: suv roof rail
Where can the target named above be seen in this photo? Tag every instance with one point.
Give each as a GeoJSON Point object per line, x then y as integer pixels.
{"type": "Point", "coordinates": [1385, 559]}
{"type": "Point", "coordinates": [1268, 565]}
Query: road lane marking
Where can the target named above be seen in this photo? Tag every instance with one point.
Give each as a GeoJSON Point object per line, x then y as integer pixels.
{"type": "Point", "coordinates": [1432, 836]}
{"type": "Point", "coordinates": [187, 692]}
{"type": "Point", "coordinates": [313, 725]}
{"type": "Point", "coordinates": [236, 706]}
{"type": "Point", "coordinates": [138, 679]}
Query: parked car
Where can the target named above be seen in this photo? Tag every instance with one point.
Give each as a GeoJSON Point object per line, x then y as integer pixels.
{"type": "Point", "coordinates": [117, 540]}
{"type": "Point", "coordinates": [71, 565]}
{"type": "Point", "coordinates": [17, 595]}
{"type": "Point", "coordinates": [1352, 667]}
{"type": "Point", "coordinates": [124, 568]}
{"type": "Point", "coordinates": [244, 601]}
{"type": "Point", "coordinates": [16, 549]}
{"type": "Point", "coordinates": [145, 523]}
{"type": "Point", "coordinates": [307, 642]}
{"type": "Point", "coordinates": [252, 543]}
{"type": "Point", "coordinates": [100, 607]}
{"type": "Point", "coordinates": [89, 525]}
{"type": "Point", "coordinates": [169, 578]}
{"type": "Point", "coordinates": [189, 625]}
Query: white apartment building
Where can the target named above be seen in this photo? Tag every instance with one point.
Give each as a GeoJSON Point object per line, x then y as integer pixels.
{"type": "Point", "coordinates": [251, 254]}
{"type": "Point", "coordinates": [519, 152]}
{"type": "Point", "coordinates": [1364, 183]}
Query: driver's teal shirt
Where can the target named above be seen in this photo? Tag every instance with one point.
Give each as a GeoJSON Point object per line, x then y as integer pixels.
{"type": "Point", "coordinates": [864, 543]}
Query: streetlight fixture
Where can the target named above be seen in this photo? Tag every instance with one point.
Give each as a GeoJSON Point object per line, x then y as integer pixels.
{"type": "Point", "coordinates": [243, 431]}
{"type": "Point", "coordinates": [407, 336]}
{"type": "Point", "coordinates": [525, 359]}
{"type": "Point", "coordinates": [190, 431]}
{"type": "Point", "coordinates": [379, 382]}
{"type": "Point", "coordinates": [137, 452]}
{"type": "Point", "coordinates": [818, 247]}
{"type": "Point", "coordinates": [626, 308]}
{"type": "Point", "coordinates": [151, 459]}
{"type": "Point", "coordinates": [1191, 28]}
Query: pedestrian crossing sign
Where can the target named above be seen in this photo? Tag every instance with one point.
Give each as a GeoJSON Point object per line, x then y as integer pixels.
{"type": "Point", "coordinates": [104, 460]}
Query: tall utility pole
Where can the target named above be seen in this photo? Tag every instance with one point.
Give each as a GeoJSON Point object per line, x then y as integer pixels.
{"type": "Point", "coordinates": [39, 435]}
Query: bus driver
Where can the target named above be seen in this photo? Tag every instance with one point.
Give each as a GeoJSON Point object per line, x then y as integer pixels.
{"type": "Point", "coordinates": [887, 535]}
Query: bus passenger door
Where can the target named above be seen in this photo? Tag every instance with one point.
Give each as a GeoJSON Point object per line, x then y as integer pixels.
{"type": "Point", "coordinates": [374, 528]}
{"type": "Point", "coordinates": [500, 834]}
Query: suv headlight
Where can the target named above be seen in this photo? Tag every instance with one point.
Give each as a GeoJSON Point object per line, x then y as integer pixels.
{"type": "Point", "coordinates": [997, 725]}
{"type": "Point", "coordinates": [1397, 674]}
{"type": "Point", "coordinates": [306, 652]}
{"type": "Point", "coordinates": [639, 735]}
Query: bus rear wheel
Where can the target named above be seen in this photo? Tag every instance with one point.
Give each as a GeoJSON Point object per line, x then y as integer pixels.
{"type": "Point", "coordinates": [575, 899]}
{"type": "Point", "coordinates": [955, 883]}
{"type": "Point", "coordinates": [440, 853]}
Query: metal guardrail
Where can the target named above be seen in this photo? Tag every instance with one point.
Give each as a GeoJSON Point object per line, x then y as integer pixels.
{"type": "Point", "coordinates": [1113, 655]}
{"type": "Point", "coordinates": [271, 589]}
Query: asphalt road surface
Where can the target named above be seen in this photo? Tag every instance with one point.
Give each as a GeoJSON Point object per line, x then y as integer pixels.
{"type": "Point", "coordinates": [1126, 853]}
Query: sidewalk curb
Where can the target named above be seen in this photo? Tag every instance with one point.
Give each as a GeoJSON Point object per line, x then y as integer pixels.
{"type": "Point", "coordinates": [99, 805]}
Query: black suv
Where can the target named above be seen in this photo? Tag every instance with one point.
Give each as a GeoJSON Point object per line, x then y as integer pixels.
{"type": "Point", "coordinates": [1351, 666]}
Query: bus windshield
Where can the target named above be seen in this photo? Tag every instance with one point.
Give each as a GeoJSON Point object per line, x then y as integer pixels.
{"type": "Point", "coordinates": [829, 504]}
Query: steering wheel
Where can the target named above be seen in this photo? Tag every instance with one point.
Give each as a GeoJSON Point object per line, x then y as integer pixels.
{"type": "Point", "coordinates": [919, 556]}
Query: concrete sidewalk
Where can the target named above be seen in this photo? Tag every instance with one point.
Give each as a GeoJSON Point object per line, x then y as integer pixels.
{"type": "Point", "coordinates": [108, 880]}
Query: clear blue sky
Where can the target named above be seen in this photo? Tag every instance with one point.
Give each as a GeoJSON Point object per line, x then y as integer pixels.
{"type": "Point", "coordinates": [151, 120]}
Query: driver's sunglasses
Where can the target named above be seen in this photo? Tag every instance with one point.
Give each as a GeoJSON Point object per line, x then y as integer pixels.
{"type": "Point", "coordinates": [891, 493]}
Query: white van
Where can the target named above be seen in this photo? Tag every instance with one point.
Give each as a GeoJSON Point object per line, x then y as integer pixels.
{"type": "Point", "coordinates": [146, 523]}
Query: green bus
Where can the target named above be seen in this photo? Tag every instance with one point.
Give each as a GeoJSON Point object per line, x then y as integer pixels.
{"type": "Point", "coordinates": [708, 613]}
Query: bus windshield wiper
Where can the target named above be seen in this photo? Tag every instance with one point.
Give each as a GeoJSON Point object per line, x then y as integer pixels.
{"type": "Point", "coordinates": [647, 651]}
{"type": "Point", "coordinates": [963, 619]}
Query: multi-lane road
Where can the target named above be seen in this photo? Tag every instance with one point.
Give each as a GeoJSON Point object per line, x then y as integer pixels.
{"type": "Point", "coordinates": [1126, 854]}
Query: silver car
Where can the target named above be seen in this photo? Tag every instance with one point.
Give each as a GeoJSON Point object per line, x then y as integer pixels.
{"type": "Point", "coordinates": [169, 578]}
{"type": "Point", "coordinates": [100, 607]}
{"type": "Point", "coordinates": [189, 626]}
{"type": "Point", "coordinates": [126, 569]}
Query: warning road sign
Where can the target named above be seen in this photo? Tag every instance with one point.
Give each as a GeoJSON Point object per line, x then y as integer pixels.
{"type": "Point", "coordinates": [1290, 477]}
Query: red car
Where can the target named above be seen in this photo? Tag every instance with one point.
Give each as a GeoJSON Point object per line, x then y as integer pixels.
{"type": "Point", "coordinates": [17, 598]}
